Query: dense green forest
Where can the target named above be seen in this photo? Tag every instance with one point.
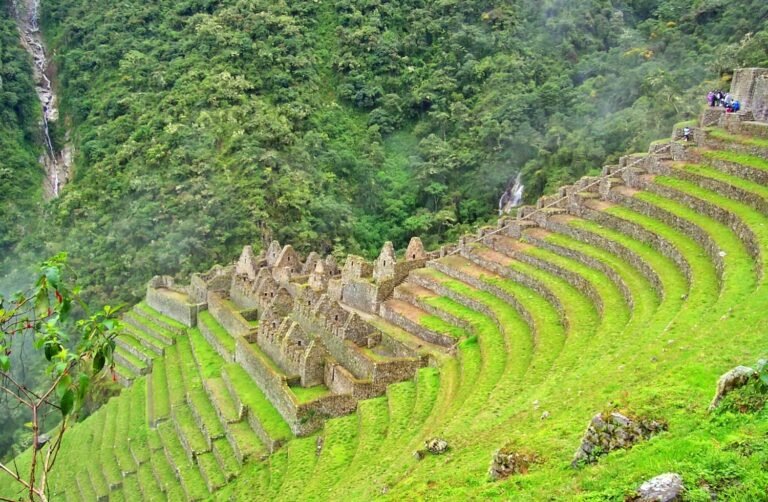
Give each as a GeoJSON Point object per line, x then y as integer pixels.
{"type": "Point", "coordinates": [203, 125]}
{"type": "Point", "coordinates": [20, 173]}
{"type": "Point", "coordinates": [20, 203]}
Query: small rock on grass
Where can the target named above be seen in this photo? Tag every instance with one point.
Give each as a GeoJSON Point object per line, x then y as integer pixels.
{"type": "Point", "coordinates": [667, 487]}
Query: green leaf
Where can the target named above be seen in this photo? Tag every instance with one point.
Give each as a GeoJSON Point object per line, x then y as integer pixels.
{"type": "Point", "coordinates": [52, 349]}
{"type": "Point", "coordinates": [67, 402]}
{"type": "Point", "coordinates": [82, 387]}
{"type": "Point", "coordinates": [63, 385]}
{"type": "Point", "coordinates": [66, 307]}
{"type": "Point", "coordinates": [53, 274]}
{"type": "Point", "coordinates": [98, 362]}
{"type": "Point", "coordinates": [5, 363]}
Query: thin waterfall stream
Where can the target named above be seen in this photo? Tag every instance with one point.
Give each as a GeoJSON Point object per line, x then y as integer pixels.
{"type": "Point", "coordinates": [57, 163]}
{"type": "Point", "coordinates": [512, 196]}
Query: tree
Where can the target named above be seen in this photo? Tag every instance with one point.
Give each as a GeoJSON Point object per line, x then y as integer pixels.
{"type": "Point", "coordinates": [74, 351]}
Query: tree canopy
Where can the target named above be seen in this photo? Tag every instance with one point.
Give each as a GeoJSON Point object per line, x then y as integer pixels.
{"type": "Point", "coordinates": [203, 125]}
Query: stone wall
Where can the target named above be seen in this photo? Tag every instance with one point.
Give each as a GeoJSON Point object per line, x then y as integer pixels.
{"type": "Point", "coordinates": [685, 226]}
{"type": "Point", "coordinates": [172, 301]}
{"type": "Point", "coordinates": [750, 87]}
{"type": "Point", "coordinates": [523, 279]}
{"type": "Point", "coordinates": [718, 213]}
{"type": "Point", "coordinates": [591, 262]}
{"type": "Point", "coordinates": [627, 255]}
{"type": "Point", "coordinates": [420, 331]}
{"type": "Point", "coordinates": [639, 233]}
{"type": "Point", "coordinates": [231, 320]}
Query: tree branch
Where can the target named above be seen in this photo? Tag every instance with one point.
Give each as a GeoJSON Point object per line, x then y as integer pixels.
{"type": "Point", "coordinates": [13, 475]}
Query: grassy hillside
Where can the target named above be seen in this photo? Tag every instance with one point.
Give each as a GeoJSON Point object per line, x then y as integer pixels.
{"type": "Point", "coordinates": [638, 304]}
{"type": "Point", "coordinates": [204, 125]}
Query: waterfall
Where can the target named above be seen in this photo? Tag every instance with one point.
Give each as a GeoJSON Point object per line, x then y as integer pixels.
{"type": "Point", "coordinates": [27, 13]}
{"type": "Point", "coordinates": [512, 196]}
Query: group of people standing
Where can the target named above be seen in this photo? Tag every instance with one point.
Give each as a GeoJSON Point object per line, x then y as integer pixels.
{"type": "Point", "coordinates": [718, 98]}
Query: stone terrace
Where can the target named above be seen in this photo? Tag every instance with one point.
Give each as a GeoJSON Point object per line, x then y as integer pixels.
{"type": "Point", "coordinates": [312, 380]}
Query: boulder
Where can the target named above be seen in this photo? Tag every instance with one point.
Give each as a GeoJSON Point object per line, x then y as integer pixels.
{"type": "Point", "coordinates": [732, 380]}
{"type": "Point", "coordinates": [436, 446]}
{"type": "Point", "coordinates": [666, 487]}
{"type": "Point", "coordinates": [506, 462]}
{"type": "Point", "coordinates": [612, 431]}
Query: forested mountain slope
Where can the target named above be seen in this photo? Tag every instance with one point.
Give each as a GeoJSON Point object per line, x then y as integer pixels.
{"type": "Point", "coordinates": [20, 174]}
{"type": "Point", "coordinates": [203, 125]}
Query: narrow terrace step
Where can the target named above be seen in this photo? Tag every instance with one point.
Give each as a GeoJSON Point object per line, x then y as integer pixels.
{"type": "Point", "coordinates": [736, 188]}
{"type": "Point", "coordinates": [137, 438]}
{"type": "Point", "coordinates": [748, 167]}
{"type": "Point", "coordinates": [339, 444]}
{"type": "Point", "coordinates": [211, 472]}
{"type": "Point", "coordinates": [131, 362]}
{"type": "Point", "coordinates": [225, 456]}
{"type": "Point", "coordinates": [205, 415]}
{"type": "Point", "coordinates": [192, 482]}
{"type": "Point", "coordinates": [148, 327]}
{"type": "Point", "coordinates": [174, 379]}
{"type": "Point", "coordinates": [225, 407]}
{"type": "Point", "coordinates": [131, 345]}
{"type": "Point", "coordinates": [147, 485]}
{"type": "Point", "coordinates": [191, 437]}
{"type": "Point", "coordinates": [110, 475]}
{"type": "Point", "coordinates": [121, 445]}
{"type": "Point", "coordinates": [99, 483]}
{"type": "Point", "coordinates": [415, 321]}
{"type": "Point", "coordinates": [149, 342]}
{"type": "Point", "coordinates": [216, 335]}
{"type": "Point", "coordinates": [123, 375]}
{"type": "Point", "coordinates": [162, 320]}
{"type": "Point", "coordinates": [165, 474]}
{"type": "Point", "coordinates": [244, 442]}
{"type": "Point", "coordinates": [261, 415]}
{"type": "Point", "coordinates": [723, 140]}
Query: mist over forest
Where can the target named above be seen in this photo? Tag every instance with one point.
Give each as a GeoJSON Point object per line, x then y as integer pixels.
{"type": "Point", "coordinates": [201, 126]}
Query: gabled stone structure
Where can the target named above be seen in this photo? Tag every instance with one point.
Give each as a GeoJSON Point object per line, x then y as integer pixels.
{"type": "Point", "coordinates": [312, 328]}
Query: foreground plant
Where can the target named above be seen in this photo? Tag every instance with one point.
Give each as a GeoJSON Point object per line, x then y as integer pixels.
{"type": "Point", "coordinates": [74, 354]}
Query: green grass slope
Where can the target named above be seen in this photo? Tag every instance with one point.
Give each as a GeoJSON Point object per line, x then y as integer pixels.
{"type": "Point", "coordinates": [638, 305]}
